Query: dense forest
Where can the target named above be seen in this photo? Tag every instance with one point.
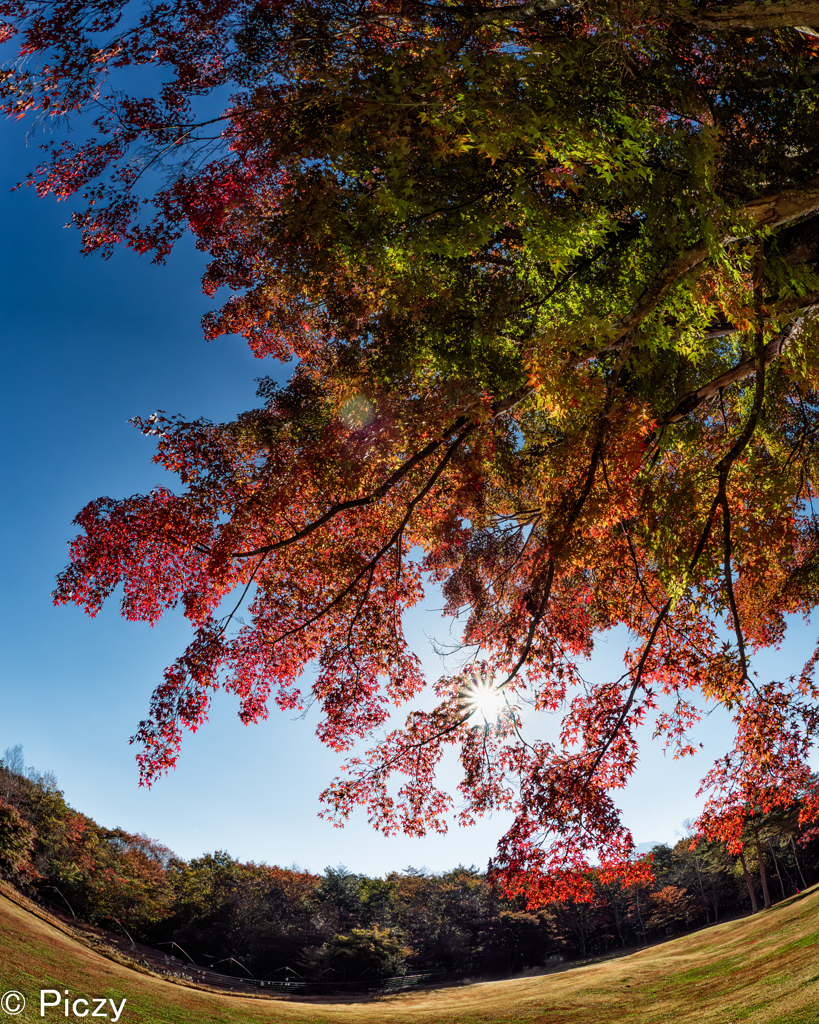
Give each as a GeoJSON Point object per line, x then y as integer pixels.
{"type": "Point", "coordinates": [342, 926]}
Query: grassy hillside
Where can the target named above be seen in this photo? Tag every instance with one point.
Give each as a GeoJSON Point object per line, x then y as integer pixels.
{"type": "Point", "coordinates": [758, 969]}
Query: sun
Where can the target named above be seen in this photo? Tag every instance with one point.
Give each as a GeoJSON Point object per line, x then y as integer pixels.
{"type": "Point", "coordinates": [482, 701]}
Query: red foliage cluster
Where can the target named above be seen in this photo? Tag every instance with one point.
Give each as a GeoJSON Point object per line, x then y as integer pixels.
{"type": "Point", "coordinates": [519, 254]}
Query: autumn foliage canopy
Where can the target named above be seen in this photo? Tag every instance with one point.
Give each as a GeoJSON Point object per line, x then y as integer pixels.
{"type": "Point", "coordinates": [548, 274]}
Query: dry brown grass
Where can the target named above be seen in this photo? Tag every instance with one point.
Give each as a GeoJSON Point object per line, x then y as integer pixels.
{"type": "Point", "coordinates": [759, 969]}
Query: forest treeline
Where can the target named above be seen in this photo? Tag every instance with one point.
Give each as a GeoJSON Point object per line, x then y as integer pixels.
{"type": "Point", "coordinates": [346, 926]}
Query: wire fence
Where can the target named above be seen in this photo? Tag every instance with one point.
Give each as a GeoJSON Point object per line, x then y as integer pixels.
{"type": "Point", "coordinates": [235, 975]}
{"type": "Point", "coordinates": [399, 983]}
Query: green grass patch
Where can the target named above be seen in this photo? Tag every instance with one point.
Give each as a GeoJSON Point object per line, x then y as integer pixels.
{"type": "Point", "coordinates": [803, 943]}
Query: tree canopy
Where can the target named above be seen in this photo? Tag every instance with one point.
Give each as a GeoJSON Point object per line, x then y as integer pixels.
{"type": "Point", "coordinates": [548, 272]}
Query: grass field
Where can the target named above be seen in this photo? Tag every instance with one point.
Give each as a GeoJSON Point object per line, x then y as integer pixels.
{"type": "Point", "coordinates": [764, 968]}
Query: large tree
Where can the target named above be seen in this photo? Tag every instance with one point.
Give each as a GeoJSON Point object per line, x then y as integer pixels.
{"type": "Point", "coordinates": [549, 274]}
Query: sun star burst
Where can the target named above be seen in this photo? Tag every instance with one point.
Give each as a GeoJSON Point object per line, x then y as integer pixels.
{"type": "Point", "coordinates": [482, 700]}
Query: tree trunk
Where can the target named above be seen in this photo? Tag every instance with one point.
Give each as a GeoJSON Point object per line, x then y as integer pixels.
{"type": "Point", "coordinates": [639, 914]}
{"type": "Point", "coordinates": [580, 931]}
{"type": "Point", "coordinates": [762, 876]}
{"type": "Point", "coordinates": [749, 883]}
{"type": "Point", "coordinates": [793, 881]}
{"type": "Point", "coordinates": [798, 865]}
{"type": "Point", "coordinates": [778, 872]}
{"type": "Point", "coordinates": [618, 920]}
{"type": "Point", "coordinates": [702, 890]}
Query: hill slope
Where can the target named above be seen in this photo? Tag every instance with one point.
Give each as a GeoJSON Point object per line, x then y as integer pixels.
{"type": "Point", "coordinates": [761, 969]}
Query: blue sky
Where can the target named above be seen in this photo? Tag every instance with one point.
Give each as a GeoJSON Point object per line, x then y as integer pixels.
{"type": "Point", "coordinates": [86, 345]}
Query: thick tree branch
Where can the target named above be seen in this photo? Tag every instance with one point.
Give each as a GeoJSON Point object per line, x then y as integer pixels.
{"type": "Point", "coordinates": [771, 210]}
{"type": "Point", "coordinates": [727, 461]}
{"type": "Point", "coordinates": [393, 538]}
{"type": "Point", "coordinates": [480, 14]}
{"type": "Point", "coordinates": [641, 666]}
{"type": "Point", "coordinates": [498, 409]}
{"type": "Point", "coordinates": [568, 526]}
{"type": "Point", "coordinates": [797, 14]}
{"type": "Point", "coordinates": [688, 403]}
{"type": "Point", "coordinates": [728, 576]}
{"type": "Point", "coordinates": [720, 501]}
{"type": "Point", "coordinates": [537, 618]}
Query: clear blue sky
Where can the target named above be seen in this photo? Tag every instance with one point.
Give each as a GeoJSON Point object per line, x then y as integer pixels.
{"type": "Point", "coordinates": [86, 345]}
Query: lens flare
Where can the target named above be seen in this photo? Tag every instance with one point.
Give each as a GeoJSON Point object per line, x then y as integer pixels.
{"type": "Point", "coordinates": [357, 412]}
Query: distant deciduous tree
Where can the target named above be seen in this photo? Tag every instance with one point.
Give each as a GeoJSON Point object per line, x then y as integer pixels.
{"type": "Point", "coordinates": [16, 844]}
{"type": "Point", "coordinates": [363, 954]}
